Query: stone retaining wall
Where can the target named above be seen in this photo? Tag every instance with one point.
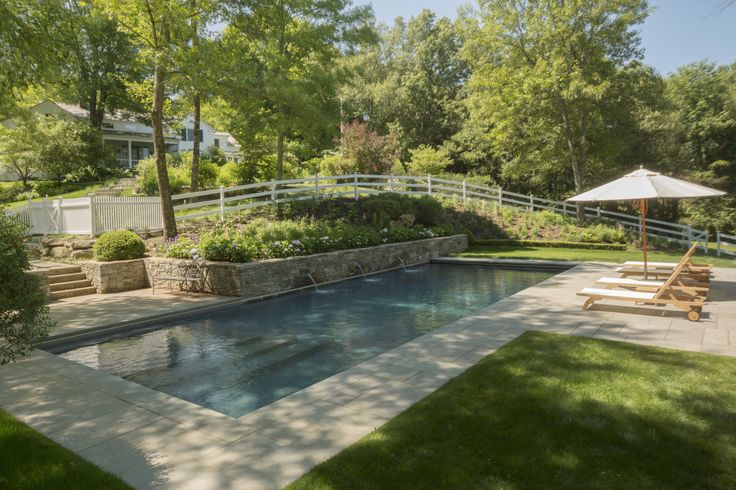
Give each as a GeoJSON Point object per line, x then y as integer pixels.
{"type": "Point", "coordinates": [43, 282]}
{"type": "Point", "coordinates": [117, 276]}
{"type": "Point", "coordinates": [273, 276]}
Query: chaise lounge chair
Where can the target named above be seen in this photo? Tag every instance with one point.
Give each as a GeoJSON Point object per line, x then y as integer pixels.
{"type": "Point", "coordinates": [666, 294]}
{"type": "Point", "coordinates": [690, 287]}
{"type": "Point", "coordinates": [662, 270]}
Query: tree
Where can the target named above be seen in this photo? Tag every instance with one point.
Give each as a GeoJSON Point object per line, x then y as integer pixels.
{"type": "Point", "coordinates": [17, 152]}
{"type": "Point", "coordinates": [30, 46]}
{"type": "Point", "coordinates": [280, 57]}
{"type": "Point", "coordinates": [427, 160]}
{"type": "Point", "coordinates": [542, 69]}
{"type": "Point", "coordinates": [24, 316]}
{"type": "Point", "coordinates": [362, 151]}
{"type": "Point", "coordinates": [411, 83]}
{"type": "Point", "coordinates": [154, 25]}
{"type": "Point", "coordinates": [102, 61]}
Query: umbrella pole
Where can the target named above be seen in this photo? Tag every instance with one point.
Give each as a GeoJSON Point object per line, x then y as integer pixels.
{"type": "Point", "coordinates": [643, 204]}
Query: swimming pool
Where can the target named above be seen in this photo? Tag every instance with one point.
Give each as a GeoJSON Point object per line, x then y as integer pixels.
{"type": "Point", "coordinates": [247, 356]}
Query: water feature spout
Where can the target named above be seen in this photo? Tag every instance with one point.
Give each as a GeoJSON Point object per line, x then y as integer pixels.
{"type": "Point", "coordinates": [360, 267]}
{"type": "Point", "coordinates": [403, 264]}
{"type": "Point", "coordinates": [314, 283]}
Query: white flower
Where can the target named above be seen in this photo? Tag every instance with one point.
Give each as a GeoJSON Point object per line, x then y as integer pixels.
{"type": "Point", "coordinates": [385, 230]}
{"type": "Point", "coordinates": [385, 240]}
{"type": "Point", "coordinates": [297, 243]}
{"type": "Point", "coordinates": [193, 251]}
{"type": "Point", "coordinates": [325, 238]}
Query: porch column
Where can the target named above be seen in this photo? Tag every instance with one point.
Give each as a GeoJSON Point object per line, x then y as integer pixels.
{"type": "Point", "coordinates": [130, 154]}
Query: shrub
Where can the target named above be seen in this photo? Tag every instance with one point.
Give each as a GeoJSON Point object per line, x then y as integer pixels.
{"type": "Point", "coordinates": [380, 211]}
{"type": "Point", "coordinates": [119, 245]}
{"type": "Point", "coordinates": [229, 175]}
{"type": "Point", "coordinates": [428, 211]}
{"type": "Point", "coordinates": [550, 243]}
{"type": "Point", "coordinates": [147, 180]}
{"type": "Point", "coordinates": [223, 248]}
{"type": "Point", "coordinates": [427, 160]}
{"type": "Point", "coordinates": [24, 319]}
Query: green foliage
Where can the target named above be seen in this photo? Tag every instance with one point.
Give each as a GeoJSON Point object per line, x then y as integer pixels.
{"type": "Point", "coordinates": [59, 148]}
{"type": "Point", "coordinates": [119, 245]}
{"type": "Point", "coordinates": [380, 212]}
{"type": "Point", "coordinates": [208, 171]}
{"type": "Point", "coordinates": [411, 83]}
{"type": "Point", "coordinates": [24, 316]}
{"type": "Point", "coordinates": [545, 77]}
{"type": "Point", "coordinates": [426, 160]}
{"type": "Point", "coordinates": [147, 178]}
{"type": "Point", "coordinates": [229, 175]}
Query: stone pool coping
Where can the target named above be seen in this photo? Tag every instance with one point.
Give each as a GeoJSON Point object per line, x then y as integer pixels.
{"type": "Point", "coordinates": [151, 439]}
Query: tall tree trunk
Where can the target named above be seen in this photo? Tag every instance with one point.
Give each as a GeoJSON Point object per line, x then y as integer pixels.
{"type": "Point", "coordinates": [575, 160]}
{"type": "Point", "coordinates": [159, 148]}
{"type": "Point", "coordinates": [195, 147]}
{"type": "Point", "coordinates": [280, 155]}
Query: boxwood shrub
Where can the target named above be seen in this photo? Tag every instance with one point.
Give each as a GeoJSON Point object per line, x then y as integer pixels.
{"type": "Point", "coordinates": [119, 245]}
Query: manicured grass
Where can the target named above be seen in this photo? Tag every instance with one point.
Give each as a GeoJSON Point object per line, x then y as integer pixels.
{"type": "Point", "coordinates": [28, 460]}
{"type": "Point", "coordinates": [586, 255]}
{"type": "Point", "coordinates": [553, 411]}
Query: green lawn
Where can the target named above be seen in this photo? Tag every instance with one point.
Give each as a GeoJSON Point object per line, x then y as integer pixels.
{"type": "Point", "coordinates": [553, 411]}
{"type": "Point", "coordinates": [586, 255]}
{"type": "Point", "coordinates": [28, 460]}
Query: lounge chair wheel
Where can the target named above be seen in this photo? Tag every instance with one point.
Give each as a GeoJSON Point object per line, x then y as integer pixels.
{"type": "Point", "coordinates": [699, 309]}
{"type": "Point", "coordinates": [693, 315]}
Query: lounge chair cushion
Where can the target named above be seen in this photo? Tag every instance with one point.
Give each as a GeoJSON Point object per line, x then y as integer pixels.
{"type": "Point", "coordinates": [613, 293]}
{"type": "Point", "coordinates": [621, 281]}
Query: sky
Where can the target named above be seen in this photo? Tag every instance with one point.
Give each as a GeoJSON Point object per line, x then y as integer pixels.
{"type": "Point", "coordinates": [678, 32]}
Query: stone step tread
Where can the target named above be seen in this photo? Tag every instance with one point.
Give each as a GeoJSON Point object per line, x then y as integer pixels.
{"type": "Point", "coordinates": [74, 276]}
{"type": "Point", "coordinates": [70, 293]}
{"type": "Point", "coordinates": [68, 269]}
{"type": "Point", "coordinates": [64, 286]}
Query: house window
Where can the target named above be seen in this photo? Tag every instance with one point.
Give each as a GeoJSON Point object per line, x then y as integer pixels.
{"type": "Point", "coordinates": [189, 135]}
{"type": "Point", "coordinates": [108, 125]}
{"type": "Point", "coordinates": [217, 143]}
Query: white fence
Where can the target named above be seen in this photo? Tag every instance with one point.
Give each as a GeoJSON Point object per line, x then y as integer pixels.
{"type": "Point", "coordinates": [90, 215]}
{"type": "Point", "coordinates": [94, 215]}
{"type": "Point", "coordinates": [725, 244]}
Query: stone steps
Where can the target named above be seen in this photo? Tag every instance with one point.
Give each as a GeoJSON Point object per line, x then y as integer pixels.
{"type": "Point", "coordinates": [65, 286]}
{"type": "Point", "coordinates": [70, 293]}
{"type": "Point", "coordinates": [74, 276]}
{"type": "Point", "coordinates": [68, 282]}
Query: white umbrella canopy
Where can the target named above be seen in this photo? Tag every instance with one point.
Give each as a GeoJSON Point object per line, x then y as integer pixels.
{"type": "Point", "coordinates": [645, 184]}
{"type": "Point", "coordinates": [641, 185]}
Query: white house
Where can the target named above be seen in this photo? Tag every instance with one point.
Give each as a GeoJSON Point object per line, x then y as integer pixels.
{"type": "Point", "coordinates": [132, 141]}
{"type": "Point", "coordinates": [208, 137]}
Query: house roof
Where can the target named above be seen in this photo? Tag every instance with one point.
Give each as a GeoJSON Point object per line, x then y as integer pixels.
{"type": "Point", "coordinates": [73, 109]}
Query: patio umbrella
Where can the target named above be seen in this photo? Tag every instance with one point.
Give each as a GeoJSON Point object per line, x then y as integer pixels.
{"type": "Point", "coordinates": [641, 185]}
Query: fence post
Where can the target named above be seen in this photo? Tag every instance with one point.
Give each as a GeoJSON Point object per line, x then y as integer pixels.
{"type": "Point", "coordinates": [718, 243]}
{"type": "Point", "coordinates": [707, 236]}
{"type": "Point", "coordinates": [500, 196]}
{"type": "Point", "coordinates": [531, 202]}
{"type": "Point", "coordinates": [92, 216]}
{"type": "Point", "coordinates": [59, 215]}
{"type": "Point", "coordinates": [689, 235]}
{"type": "Point", "coordinates": [598, 211]}
{"type": "Point", "coordinates": [316, 184]}
{"type": "Point", "coordinates": [391, 182]}
{"type": "Point", "coordinates": [355, 186]}
{"type": "Point", "coordinates": [429, 184]}
{"type": "Point", "coordinates": [222, 203]}
{"type": "Point", "coordinates": [465, 192]}
{"type": "Point", "coordinates": [273, 190]}
{"type": "Point", "coordinates": [45, 214]}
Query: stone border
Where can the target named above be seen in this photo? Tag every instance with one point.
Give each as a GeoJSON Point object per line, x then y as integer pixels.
{"type": "Point", "coordinates": [116, 276]}
{"type": "Point", "coordinates": [266, 277]}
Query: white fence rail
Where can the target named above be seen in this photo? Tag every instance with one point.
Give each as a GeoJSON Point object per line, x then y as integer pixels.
{"type": "Point", "coordinates": [96, 214]}
{"type": "Point", "coordinates": [725, 244]}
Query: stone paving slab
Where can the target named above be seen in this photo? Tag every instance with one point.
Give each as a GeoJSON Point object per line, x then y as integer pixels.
{"type": "Point", "coordinates": [153, 440]}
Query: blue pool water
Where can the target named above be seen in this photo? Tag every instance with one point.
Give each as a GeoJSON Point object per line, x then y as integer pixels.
{"type": "Point", "coordinates": [247, 356]}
